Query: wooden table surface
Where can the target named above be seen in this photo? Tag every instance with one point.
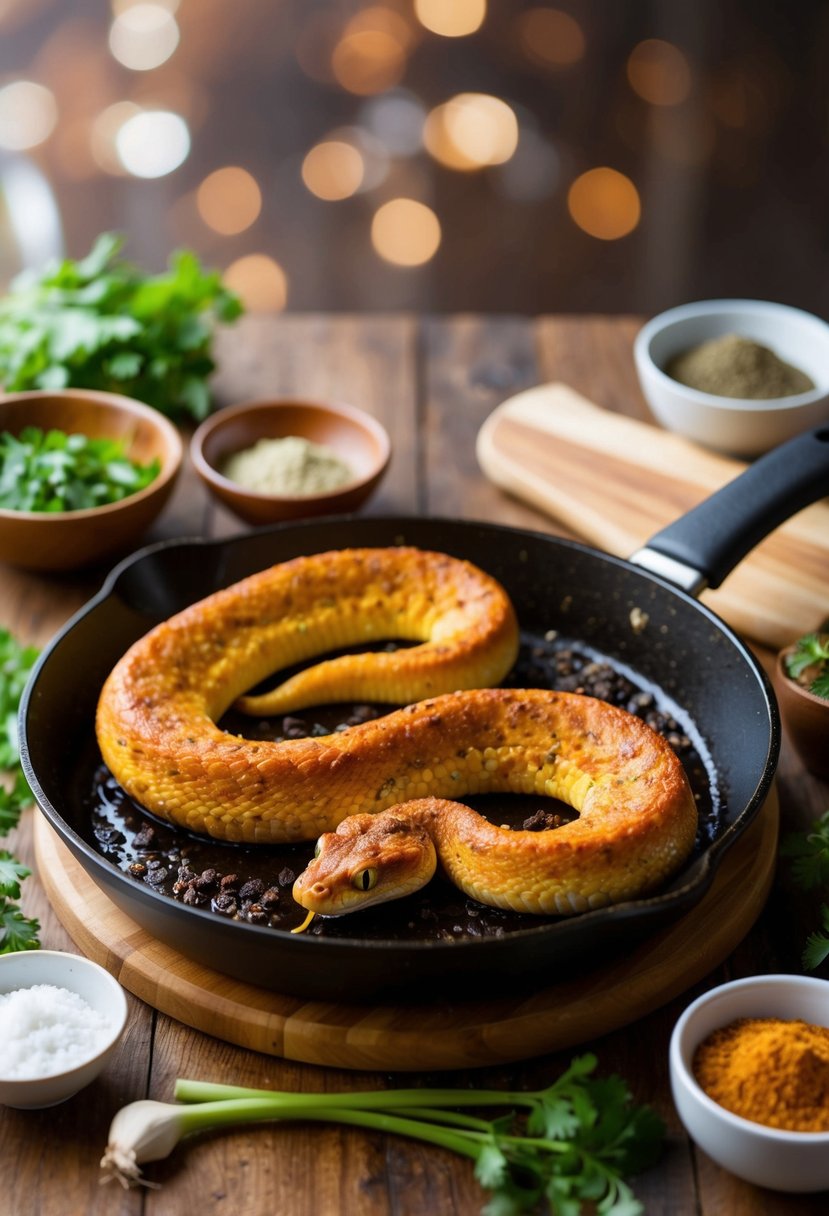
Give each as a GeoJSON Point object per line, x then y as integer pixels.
{"type": "Point", "coordinates": [432, 382]}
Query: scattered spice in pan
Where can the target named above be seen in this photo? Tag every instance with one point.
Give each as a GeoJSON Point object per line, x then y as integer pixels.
{"type": "Point", "coordinates": [733, 366]}
{"type": "Point", "coordinates": [769, 1070]}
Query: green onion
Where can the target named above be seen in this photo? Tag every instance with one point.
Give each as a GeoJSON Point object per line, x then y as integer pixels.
{"type": "Point", "coordinates": [575, 1142]}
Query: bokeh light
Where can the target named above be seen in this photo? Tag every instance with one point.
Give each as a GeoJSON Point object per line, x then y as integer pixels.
{"type": "Point", "coordinates": [103, 136]}
{"type": "Point", "coordinates": [229, 200]}
{"type": "Point", "coordinates": [333, 169]}
{"type": "Point", "coordinates": [368, 61]}
{"type": "Point", "coordinates": [659, 73]}
{"type": "Point", "coordinates": [260, 282]}
{"type": "Point", "coordinates": [405, 232]}
{"type": "Point", "coordinates": [153, 143]}
{"type": "Point", "coordinates": [451, 18]}
{"type": "Point", "coordinates": [143, 36]}
{"type": "Point", "coordinates": [471, 131]}
{"type": "Point", "coordinates": [28, 113]}
{"type": "Point", "coordinates": [550, 37]}
{"type": "Point", "coordinates": [604, 203]}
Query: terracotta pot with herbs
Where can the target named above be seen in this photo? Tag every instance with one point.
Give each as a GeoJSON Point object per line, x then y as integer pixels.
{"type": "Point", "coordinates": [801, 681]}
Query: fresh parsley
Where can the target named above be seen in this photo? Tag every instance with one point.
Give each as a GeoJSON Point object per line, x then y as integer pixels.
{"type": "Point", "coordinates": [809, 852]}
{"type": "Point", "coordinates": [809, 663]}
{"type": "Point", "coordinates": [101, 323]}
{"type": "Point", "coordinates": [52, 471]}
{"type": "Point", "coordinates": [17, 932]}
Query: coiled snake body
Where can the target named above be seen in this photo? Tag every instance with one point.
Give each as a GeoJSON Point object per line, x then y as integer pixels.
{"type": "Point", "coordinates": [157, 714]}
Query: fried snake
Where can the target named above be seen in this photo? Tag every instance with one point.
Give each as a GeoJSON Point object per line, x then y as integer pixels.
{"type": "Point", "coordinates": [157, 715]}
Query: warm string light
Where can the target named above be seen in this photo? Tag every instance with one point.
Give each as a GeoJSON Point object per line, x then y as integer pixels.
{"type": "Point", "coordinates": [28, 115]}
{"type": "Point", "coordinates": [260, 282]}
{"type": "Point", "coordinates": [143, 36]}
{"type": "Point", "coordinates": [471, 131]}
{"type": "Point", "coordinates": [229, 200]}
{"type": "Point", "coordinates": [405, 232]}
{"type": "Point", "coordinates": [604, 203]}
{"type": "Point", "coordinates": [451, 18]}
{"type": "Point", "coordinates": [659, 73]}
{"type": "Point", "coordinates": [366, 55]}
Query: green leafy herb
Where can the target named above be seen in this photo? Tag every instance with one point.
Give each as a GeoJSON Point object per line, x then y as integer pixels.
{"type": "Point", "coordinates": [101, 323]}
{"type": "Point", "coordinates": [816, 949]}
{"type": "Point", "coordinates": [17, 932]}
{"type": "Point", "coordinates": [810, 851]}
{"type": "Point", "coordinates": [52, 471]}
{"type": "Point", "coordinates": [12, 874]}
{"type": "Point", "coordinates": [577, 1142]}
{"type": "Point", "coordinates": [809, 663]}
{"type": "Point", "coordinates": [810, 870]}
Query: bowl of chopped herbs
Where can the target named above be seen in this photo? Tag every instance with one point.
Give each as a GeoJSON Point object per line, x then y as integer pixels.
{"type": "Point", "coordinates": [801, 682]}
{"type": "Point", "coordinates": [83, 475]}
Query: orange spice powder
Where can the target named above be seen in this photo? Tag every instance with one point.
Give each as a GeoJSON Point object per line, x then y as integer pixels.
{"type": "Point", "coordinates": [769, 1070]}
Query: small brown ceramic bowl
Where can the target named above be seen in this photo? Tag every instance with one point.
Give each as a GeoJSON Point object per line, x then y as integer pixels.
{"type": "Point", "coordinates": [68, 540]}
{"type": "Point", "coordinates": [356, 437]}
{"type": "Point", "coordinates": [805, 717]}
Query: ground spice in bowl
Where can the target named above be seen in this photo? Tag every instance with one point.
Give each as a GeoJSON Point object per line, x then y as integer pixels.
{"type": "Point", "coordinates": [733, 366]}
{"type": "Point", "coordinates": [290, 466]}
{"type": "Point", "coordinates": [769, 1070]}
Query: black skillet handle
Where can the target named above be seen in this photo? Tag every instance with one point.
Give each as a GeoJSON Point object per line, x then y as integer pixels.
{"type": "Point", "coordinates": [702, 547]}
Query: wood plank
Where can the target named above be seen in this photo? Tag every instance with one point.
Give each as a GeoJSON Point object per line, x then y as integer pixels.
{"type": "Point", "coordinates": [616, 482]}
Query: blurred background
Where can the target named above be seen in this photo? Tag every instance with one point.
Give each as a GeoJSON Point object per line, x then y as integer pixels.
{"type": "Point", "coordinates": [487, 155]}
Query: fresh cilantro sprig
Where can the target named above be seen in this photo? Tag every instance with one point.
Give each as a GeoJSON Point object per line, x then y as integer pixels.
{"type": "Point", "coordinates": [17, 932]}
{"type": "Point", "coordinates": [101, 323]}
{"type": "Point", "coordinates": [809, 851]}
{"type": "Point", "coordinates": [810, 658]}
{"type": "Point", "coordinates": [52, 471]}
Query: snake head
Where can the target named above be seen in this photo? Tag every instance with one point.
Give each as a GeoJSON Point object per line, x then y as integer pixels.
{"type": "Point", "coordinates": [368, 860]}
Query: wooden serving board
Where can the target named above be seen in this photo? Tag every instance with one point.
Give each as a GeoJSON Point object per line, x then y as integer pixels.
{"type": "Point", "coordinates": [615, 482]}
{"type": "Point", "coordinates": [438, 1035]}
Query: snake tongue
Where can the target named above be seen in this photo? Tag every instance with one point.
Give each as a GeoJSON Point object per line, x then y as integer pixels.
{"type": "Point", "coordinates": [301, 928]}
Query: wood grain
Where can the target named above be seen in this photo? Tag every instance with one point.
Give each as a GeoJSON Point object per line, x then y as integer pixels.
{"type": "Point", "coordinates": [616, 481]}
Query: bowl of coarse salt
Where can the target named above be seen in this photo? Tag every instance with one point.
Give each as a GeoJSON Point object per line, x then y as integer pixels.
{"type": "Point", "coordinates": [61, 1017]}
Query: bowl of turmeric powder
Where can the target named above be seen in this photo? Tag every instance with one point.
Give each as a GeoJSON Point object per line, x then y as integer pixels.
{"type": "Point", "coordinates": [737, 376]}
{"type": "Point", "coordinates": [749, 1065]}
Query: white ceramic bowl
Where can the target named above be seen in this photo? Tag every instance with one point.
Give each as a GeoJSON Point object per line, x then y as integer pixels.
{"type": "Point", "coordinates": [730, 424]}
{"type": "Point", "coordinates": [95, 986]}
{"type": "Point", "coordinates": [766, 1156]}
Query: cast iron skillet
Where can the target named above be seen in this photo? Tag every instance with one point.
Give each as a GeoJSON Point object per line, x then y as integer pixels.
{"type": "Point", "coordinates": [685, 649]}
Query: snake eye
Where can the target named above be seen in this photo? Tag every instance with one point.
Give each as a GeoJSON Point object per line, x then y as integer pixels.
{"type": "Point", "coordinates": [364, 880]}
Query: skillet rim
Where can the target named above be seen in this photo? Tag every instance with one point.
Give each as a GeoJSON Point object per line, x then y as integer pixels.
{"type": "Point", "coordinates": [677, 900]}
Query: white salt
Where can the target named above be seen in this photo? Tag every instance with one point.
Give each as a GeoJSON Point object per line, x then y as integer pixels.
{"type": "Point", "coordinates": [46, 1030]}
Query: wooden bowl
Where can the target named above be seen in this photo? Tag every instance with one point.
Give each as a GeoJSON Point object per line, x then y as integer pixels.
{"type": "Point", "coordinates": [67, 540]}
{"type": "Point", "coordinates": [805, 717]}
{"type": "Point", "coordinates": [354, 435]}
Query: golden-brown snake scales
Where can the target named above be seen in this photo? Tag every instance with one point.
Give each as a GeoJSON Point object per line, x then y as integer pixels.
{"type": "Point", "coordinates": [157, 714]}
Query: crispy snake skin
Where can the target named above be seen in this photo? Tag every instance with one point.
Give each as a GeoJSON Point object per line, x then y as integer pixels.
{"type": "Point", "coordinates": [158, 708]}
{"type": "Point", "coordinates": [157, 733]}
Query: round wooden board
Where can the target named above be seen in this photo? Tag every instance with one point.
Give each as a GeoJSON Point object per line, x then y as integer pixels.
{"type": "Point", "coordinates": [440, 1035]}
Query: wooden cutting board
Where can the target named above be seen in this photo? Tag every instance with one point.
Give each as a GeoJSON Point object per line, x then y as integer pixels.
{"type": "Point", "coordinates": [615, 482]}
{"type": "Point", "coordinates": [437, 1034]}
